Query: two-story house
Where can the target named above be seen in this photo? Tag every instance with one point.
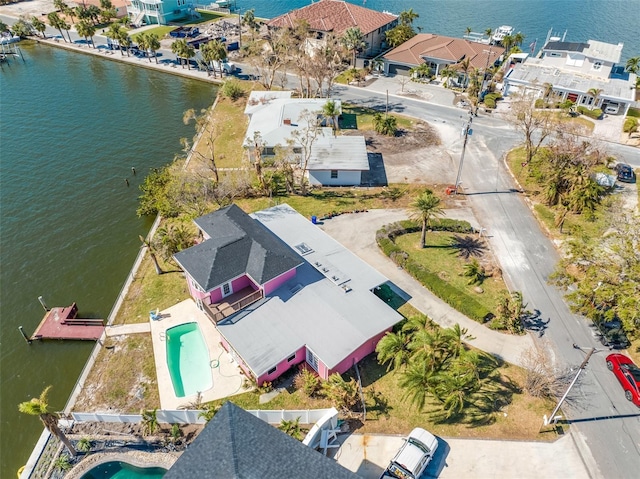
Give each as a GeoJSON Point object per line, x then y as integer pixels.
{"type": "Point", "coordinates": [282, 292]}
{"type": "Point", "coordinates": [585, 73]}
{"type": "Point", "coordinates": [160, 12]}
{"type": "Point", "coordinates": [336, 17]}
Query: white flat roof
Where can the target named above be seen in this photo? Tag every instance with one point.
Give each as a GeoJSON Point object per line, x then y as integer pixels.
{"type": "Point", "coordinates": [339, 153]}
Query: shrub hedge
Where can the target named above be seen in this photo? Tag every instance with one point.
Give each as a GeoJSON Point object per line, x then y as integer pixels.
{"type": "Point", "coordinates": [454, 297]}
{"type": "Point", "coordinates": [630, 125]}
{"type": "Point", "coordinates": [595, 113]}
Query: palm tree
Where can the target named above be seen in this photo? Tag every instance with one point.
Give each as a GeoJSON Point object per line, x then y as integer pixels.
{"type": "Point", "coordinates": [149, 421]}
{"type": "Point", "coordinates": [518, 38]}
{"type": "Point", "coordinates": [595, 93]}
{"type": "Point", "coordinates": [474, 271]}
{"type": "Point", "coordinates": [56, 22]}
{"type": "Point", "coordinates": [179, 47]}
{"type": "Point", "coordinates": [86, 30]}
{"type": "Point", "coordinates": [447, 73]}
{"type": "Point", "coordinates": [407, 17]}
{"type": "Point", "coordinates": [488, 32]}
{"type": "Point", "coordinates": [353, 40]}
{"type": "Point", "coordinates": [394, 349]}
{"type": "Point", "coordinates": [633, 65]}
{"type": "Point", "coordinates": [331, 111]}
{"type": "Point", "coordinates": [39, 26]}
{"type": "Point", "coordinates": [426, 207]}
{"type": "Point", "coordinates": [152, 253]}
{"type": "Point", "coordinates": [153, 45]}
{"type": "Point", "coordinates": [417, 381]}
{"type": "Point", "coordinates": [124, 40]}
{"type": "Point", "coordinates": [464, 65]}
{"type": "Point", "coordinates": [507, 42]}
{"type": "Point", "coordinates": [292, 428]}
{"type": "Point", "coordinates": [467, 31]}
{"type": "Point", "coordinates": [114, 33]}
{"type": "Point", "coordinates": [214, 51]}
{"type": "Point", "coordinates": [40, 407]}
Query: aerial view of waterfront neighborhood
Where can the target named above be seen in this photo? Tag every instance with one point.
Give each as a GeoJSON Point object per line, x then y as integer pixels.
{"type": "Point", "coordinates": [388, 246]}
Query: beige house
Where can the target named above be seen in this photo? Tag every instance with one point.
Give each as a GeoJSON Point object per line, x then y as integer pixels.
{"type": "Point", "coordinates": [119, 5]}
{"type": "Point", "coordinates": [439, 51]}
{"type": "Point", "coordinates": [336, 17]}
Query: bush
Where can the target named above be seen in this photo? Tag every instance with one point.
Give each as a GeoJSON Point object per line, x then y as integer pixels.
{"type": "Point", "coordinates": [630, 125]}
{"type": "Point", "coordinates": [307, 382]}
{"type": "Point", "coordinates": [232, 90]}
{"type": "Point", "coordinates": [540, 103]}
{"type": "Point", "coordinates": [595, 113]}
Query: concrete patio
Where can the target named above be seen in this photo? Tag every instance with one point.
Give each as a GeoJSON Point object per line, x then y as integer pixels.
{"type": "Point", "coordinates": [227, 377]}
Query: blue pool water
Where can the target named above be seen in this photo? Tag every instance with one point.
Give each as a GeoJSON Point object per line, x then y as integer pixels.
{"type": "Point", "coordinates": [188, 360]}
{"type": "Point", "coordinates": [123, 470]}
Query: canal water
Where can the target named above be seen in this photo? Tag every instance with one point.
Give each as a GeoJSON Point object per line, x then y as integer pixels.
{"type": "Point", "coordinates": [71, 128]}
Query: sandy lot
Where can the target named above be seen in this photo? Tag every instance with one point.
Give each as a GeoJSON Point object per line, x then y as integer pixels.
{"type": "Point", "coordinates": [28, 8]}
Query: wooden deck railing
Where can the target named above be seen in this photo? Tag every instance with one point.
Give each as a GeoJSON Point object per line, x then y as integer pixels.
{"type": "Point", "coordinates": [220, 312]}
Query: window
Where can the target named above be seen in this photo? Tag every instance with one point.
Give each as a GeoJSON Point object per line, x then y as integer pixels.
{"type": "Point", "coordinates": [597, 66]}
{"type": "Point", "coordinates": [272, 370]}
{"type": "Point", "coordinates": [312, 360]}
{"type": "Point", "coordinates": [291, 358]}
{"type": "Point", "coordinates": [334, 174]}
{"type": "Point", "coordinates": [226, 289]}
{"type": "Point", "coordinates": [554, 54]}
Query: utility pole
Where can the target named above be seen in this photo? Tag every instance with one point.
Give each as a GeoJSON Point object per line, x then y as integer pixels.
{"type": "Point", "coordinates": [467, 132]}
{"type": "Point", "coordinates": [551, 419]}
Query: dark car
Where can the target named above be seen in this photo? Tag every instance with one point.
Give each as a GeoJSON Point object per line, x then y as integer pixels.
{"type": "Point", "coordinates": [628, 374]}
{"type": "Point", "coordinates": [612, 335]}
{"type": "Point", "coordinates": [625, 173]}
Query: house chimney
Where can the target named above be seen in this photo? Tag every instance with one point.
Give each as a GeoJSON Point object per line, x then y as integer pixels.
{"type": "Point", "coordinates": [287, 121]}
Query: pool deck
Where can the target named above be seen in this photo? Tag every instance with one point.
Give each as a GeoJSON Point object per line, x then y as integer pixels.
{"type": "Point", "coordinates": [226, 375]}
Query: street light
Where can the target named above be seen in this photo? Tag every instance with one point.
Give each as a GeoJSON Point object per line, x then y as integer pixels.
{"type": "Point", "coordinates": [467, 132]}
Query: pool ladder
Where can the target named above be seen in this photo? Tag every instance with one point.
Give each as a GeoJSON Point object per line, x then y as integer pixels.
{"type": "Point", "coordinates": [163, 335]}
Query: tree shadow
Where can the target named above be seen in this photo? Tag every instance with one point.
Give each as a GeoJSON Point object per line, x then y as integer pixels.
{"type": "Point", "coordinates": [532, 321]}
{"type": "Point", "coordinates": [468, 246]}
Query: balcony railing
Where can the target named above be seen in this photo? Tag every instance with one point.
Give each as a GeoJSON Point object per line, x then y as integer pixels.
{"type": "Point", "coordinates": [218, 312]}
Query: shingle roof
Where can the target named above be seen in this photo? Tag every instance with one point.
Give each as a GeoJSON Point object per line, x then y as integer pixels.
{"type": "Point", "coordinates": [237, 445]}
{"type": "Point", "coordinates": [237, 244]}
{"type": "Point", "coordinates": [335, 16]}
{"type": "Point", "coordinates": [437, 47]}
{"type": "Point", "coordinates": [566, 46]}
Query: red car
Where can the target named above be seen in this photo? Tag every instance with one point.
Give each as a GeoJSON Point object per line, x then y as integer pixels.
{"type": "Point", "coordinates": [628, 374]}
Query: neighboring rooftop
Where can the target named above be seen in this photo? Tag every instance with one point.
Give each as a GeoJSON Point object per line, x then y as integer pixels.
{"type": "Point", "coordinates": [534, 70]}
{"type": "Point", "coordinates": [237, 245]}
{"type": "Point", "coordinates": [335, 16]}
{"type": "Point", "coordinates": [237, 445]}
{"type": "Point", "coordinates": [593, 49]}
{"type": "Point", "coordinates": [329, 306]}
{"type": "Point", "coordinates": [438, 47]}
{"type": "Point", "coordinates": [339, 153]}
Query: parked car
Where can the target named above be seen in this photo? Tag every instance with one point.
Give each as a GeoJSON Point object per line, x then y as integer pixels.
{"type": "Point", "coordinates": [413, 457]}
{"type": "Point", "coordinates": [625, 173]}
{"type": "Point", "coordinates": [628, 374]}
{"type": "Point", "coordinates": [612, 335]}
{"type": "Point", "coordinates": [612, 108]}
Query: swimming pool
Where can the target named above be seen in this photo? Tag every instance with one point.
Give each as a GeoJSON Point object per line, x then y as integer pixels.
{"type": "Point", "coordinates": [123, 470]}
{"type": "Point", "coordinates": [188, 360]}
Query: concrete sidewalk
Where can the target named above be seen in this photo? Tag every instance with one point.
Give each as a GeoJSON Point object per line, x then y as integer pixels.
{"type": "Point", "coordinates": [357, 233]}
{"type": "Point", "coordinates": [128, 329]}
{"type": "Point", "coordinates": [368, 455]}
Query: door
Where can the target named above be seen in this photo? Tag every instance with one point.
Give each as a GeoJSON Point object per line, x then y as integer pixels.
{"type": "Point", "coordinates": [226, 290]}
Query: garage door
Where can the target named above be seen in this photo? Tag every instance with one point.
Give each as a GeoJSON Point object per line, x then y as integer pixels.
{"type": "Point", "coordinates": [398, 69]}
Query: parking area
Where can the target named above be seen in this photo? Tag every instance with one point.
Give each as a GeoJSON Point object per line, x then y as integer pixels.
{"type": "Point", "coordinates": [368, 455]}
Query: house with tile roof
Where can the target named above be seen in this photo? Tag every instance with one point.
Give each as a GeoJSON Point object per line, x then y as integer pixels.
{"type": "Point", "coordinates": [237, 445]}
{"type": "Point", "coordinates": [281, 292]}
{"type": "Point", "coordinates": [575, 70]}
{"type": "Point", "coordinates": [438, 52]}
{"type": "Point", "coordinates": [334, 161]}
{"type": "Point", "coordinates": [337, 16]}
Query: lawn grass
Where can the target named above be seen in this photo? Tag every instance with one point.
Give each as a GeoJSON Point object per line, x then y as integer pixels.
{"type": "Point", "coordinates": [150, 291]}
{"type": "Point", "coordinates": [584, 123]}
{"type": "Point", "coordinates": [205, 16]}
{"type": "Point", "coordinates": [441, 258]}
{"type": "Point", "coordinates": [634, 112]}
{"type": "Point", "coordinates": [161, 31]}
{"type": "Point", "coordinates": [361, 118]}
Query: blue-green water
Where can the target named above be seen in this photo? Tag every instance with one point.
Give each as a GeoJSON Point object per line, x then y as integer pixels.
{"type": "Point", "coordinates": [123, 470]}
{"type": "Point", "coordinates": [71, 128]}
{"type": "Point", "coordinates": [188, 360]}
{"type": "Point", "coordinates": [609, 21]}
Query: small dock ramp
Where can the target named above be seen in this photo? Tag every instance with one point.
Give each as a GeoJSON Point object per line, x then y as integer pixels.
{"type": "Point", "coordinates": [63, 323]}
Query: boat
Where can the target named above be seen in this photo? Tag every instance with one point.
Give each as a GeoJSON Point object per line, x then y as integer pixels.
{"type": "Point", "coordinates": [500, 33]}
{"type": "Point", "coordinates": [223, 3]}
{"type": "Point", "coordinates": [7, 38]}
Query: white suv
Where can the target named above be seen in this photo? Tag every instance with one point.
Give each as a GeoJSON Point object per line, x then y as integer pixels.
{"type": "Point", "coordinates": [413, 457]}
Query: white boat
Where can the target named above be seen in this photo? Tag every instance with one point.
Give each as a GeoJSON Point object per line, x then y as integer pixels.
{"type": "Point", "coordinates": [500, 33]}
{"type": "Point", "coordinates": [223, 3]}
{"type": "Point", "coordinates": [7, 38]}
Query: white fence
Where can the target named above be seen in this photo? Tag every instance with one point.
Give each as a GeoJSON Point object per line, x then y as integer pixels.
{"type": "Point", "coordinates": [307, 416]}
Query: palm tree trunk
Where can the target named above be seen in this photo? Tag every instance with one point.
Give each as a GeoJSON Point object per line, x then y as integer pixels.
{"type": "Point", "coordinates": [423, 235]}
{"type": "Point", "coordinates": [156, 265]}
{"type": "Point", "coordinates": [53, 427]}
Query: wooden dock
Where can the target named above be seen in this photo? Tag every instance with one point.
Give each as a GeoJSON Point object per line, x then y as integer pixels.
{"type": "Point", "coordinates": [63, 323]}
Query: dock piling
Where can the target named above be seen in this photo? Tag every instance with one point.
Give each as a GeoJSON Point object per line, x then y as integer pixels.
{"type": "Point", "coordinates": [26, 338]}
{"type": "Point", "coordinates": [44, 305]}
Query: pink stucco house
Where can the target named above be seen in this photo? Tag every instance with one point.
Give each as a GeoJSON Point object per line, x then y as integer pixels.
{"type": "Point", "coordinates": [281, 292]}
